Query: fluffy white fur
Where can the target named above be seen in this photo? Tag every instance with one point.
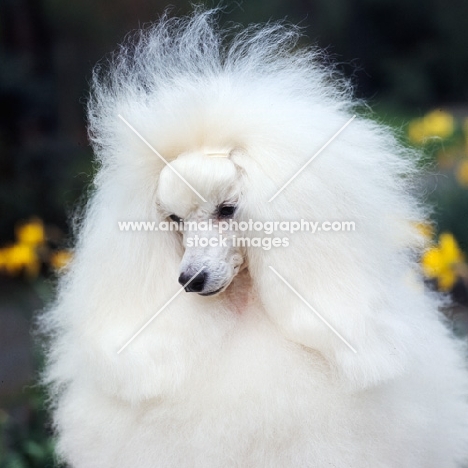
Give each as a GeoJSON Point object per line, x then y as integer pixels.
{"type": "Point", "coordinates": [249, 377]}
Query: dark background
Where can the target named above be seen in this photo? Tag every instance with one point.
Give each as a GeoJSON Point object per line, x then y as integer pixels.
{"type": "Point", "coordinates": [406, 57]}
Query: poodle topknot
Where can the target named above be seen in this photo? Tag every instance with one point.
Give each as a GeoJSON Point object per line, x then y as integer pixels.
{"type": "Point", "coordinates": [323, 351]}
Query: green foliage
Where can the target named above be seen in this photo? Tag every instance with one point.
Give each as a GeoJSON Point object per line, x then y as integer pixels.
{"type": "Point", "coordinates": [28, 444]}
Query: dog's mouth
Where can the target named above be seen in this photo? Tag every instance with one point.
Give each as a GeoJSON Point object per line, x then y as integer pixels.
{"type": "Point", "coordinates": [212, 293]}
{"type": "Point", "coordinates": [225, 286]}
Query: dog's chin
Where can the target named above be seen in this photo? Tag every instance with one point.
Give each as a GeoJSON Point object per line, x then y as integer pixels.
{"type": "Point", "coordinates": [216, 291]}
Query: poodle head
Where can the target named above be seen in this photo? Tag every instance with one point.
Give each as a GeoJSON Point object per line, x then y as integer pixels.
{"type": "Point", "coordinates": [200, 192]}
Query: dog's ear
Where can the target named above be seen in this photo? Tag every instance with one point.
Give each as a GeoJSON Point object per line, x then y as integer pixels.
{"type": "Point", "coordinates": [120, 278]}
{"type": "Point", "coordinates": [342, 294]}
{"type": "Point", "coordinates": [328, 305]}
{"type": "Point", "coordinates": [338, 312]}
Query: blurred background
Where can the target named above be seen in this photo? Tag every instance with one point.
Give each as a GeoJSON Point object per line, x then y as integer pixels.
{"type": "Point", "coordinates": [407, 58]}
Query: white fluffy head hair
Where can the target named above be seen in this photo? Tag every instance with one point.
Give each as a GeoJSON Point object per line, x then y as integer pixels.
{"type": "Point", "coordinates": [271, 105]}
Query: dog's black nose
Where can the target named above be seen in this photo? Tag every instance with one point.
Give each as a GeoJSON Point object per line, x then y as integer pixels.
{"type": "Point", "coordinates": [196, 285]}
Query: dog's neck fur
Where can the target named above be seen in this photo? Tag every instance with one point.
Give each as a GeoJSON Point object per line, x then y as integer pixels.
{"type": "Point", "coordinates": [239, 295]}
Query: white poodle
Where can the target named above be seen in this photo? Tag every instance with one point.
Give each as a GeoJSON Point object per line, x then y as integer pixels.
{"type": "Point", "coordinates": [289, 349]}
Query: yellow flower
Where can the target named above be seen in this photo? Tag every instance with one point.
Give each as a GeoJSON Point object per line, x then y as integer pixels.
{"type": "Point", "coordinates": [60, 259]}
{"type": "Point", "coordinates": [440, 262]}
{"type": "Point", "coordinates": [462, 173]}
{"type": "Point", "coordinates": [436, 124]}
{"type": "Point", "coordinates": [31, 233]}
{"type": "Point", "coordinates": [20, 257]}
{"type": "Point", "coordinates": [4, 256]}
{"type": "Point", "coordinates": [439, 123]}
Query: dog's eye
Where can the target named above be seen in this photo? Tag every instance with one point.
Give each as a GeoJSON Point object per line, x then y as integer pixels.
{"type": "Point", "coordinates": [226, 211]}
{"type": "Point", "coordinates": [175, 218]}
